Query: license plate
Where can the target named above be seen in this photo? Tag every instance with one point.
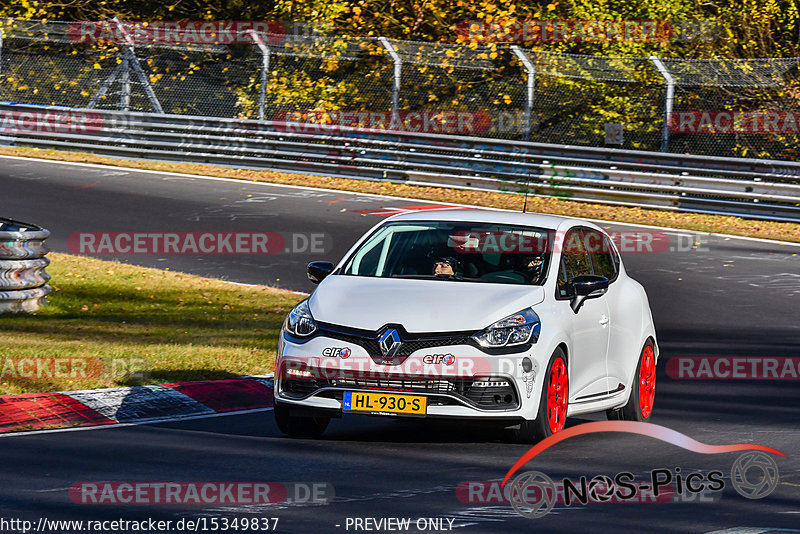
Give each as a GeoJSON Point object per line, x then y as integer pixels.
{"type": "Point", "coordinates": [385, 403]}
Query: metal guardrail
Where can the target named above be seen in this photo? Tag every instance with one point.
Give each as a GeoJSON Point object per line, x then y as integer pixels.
{"type": "Point", "coordinates": [240, 69]}
{"type": "Point", "coordinates": [753, 188]}
{"type": "Point", "coordinates": [23, 279]}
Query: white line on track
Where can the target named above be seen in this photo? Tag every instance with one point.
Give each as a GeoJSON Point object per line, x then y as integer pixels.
{"type": "Point", "coordinates": [372, 195]}
{"type": "Point", "coordinates": [751, 530]}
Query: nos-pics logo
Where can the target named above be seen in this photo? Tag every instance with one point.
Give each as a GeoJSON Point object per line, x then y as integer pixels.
{"type": "Point", "coordinates": [532, 494]}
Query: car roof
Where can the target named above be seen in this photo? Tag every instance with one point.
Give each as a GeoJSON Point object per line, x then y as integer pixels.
{"type": "Point", "coordinates": [538, 220]}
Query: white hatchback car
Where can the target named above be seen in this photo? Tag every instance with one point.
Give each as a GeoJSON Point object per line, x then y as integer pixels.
{"type": "Point", "coordinates": [517, 318]}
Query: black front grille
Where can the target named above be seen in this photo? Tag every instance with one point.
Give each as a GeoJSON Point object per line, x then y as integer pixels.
{"type": "Point", "coordinates": [485, 395]}
{"type": "Point", "coordinates": [369, 342]}
{"type": "Point", "coordinates": [411, 342]}
{"type": "Point", "coordinates": [300, 388]}
{"type": "Point", "coordinates": [422, 385]}
{"type": "Point", "coordinates": [493, 396]}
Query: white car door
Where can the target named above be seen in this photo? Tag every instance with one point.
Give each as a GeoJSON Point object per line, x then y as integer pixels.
{"type": "Point", "coordinates": [623, 336]}
{"type": "Point", "coordinates": [588, 373]}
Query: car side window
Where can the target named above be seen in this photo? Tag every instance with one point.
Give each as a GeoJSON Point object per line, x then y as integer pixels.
{"type": "Point", "coordinates": [575, 261]}
{"type": "Point", "coordinates": [601, 252]}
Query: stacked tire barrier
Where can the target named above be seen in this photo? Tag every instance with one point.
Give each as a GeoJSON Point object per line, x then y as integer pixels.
{"type": "Point", "coordinates": [23, 279]}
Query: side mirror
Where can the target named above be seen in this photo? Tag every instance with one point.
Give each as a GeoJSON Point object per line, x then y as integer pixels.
{"type": "Point", "coordinates": [318, 270]}
{"type": "Point", "coordinates": [587, 286]}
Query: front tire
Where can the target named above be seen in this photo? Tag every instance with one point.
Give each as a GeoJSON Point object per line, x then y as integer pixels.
{"type": "Point", "coordinates": [298, 427]}
{"type": "Point", "coordinates": [643, 392]}
{"type": "Point", "coordinates": [552, 415]}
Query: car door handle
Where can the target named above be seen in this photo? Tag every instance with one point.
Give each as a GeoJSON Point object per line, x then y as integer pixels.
{"type": "Point", "coordinates": [603, 320]}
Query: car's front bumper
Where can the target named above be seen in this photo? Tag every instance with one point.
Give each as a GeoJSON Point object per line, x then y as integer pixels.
{"type": "Point", "coordinates": [459, 380]}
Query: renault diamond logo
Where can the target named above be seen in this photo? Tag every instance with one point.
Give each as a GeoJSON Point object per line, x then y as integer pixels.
{"type": "Point", "coordinates": [389, 343]}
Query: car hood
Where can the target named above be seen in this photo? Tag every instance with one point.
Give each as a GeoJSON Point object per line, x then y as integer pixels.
{"type": "Point", "coordinates": [418, 305]}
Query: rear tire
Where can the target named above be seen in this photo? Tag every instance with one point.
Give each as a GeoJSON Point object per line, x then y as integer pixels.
{"type": "Point", "coordinates": [643, 390]}
{"type": "Point", "coordinates": [299, 427]}
{"type": "Point", "coordinates": [552, 415]}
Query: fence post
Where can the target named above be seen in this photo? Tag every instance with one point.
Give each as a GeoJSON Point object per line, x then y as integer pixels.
{"type": "Point", "coordinates": [125, 80]}
{"type": "Point", "coordinates": [670, 81]}
{"type": "Point", "coordinates": [132, 62]}
{"type": "Point", "coordinates": [125, 71]}
{"type": "Point", "coordinates": [105, 86]}
{"type": "Point", "coordinates": [262, 91]}
{"type": "Point", "coordinates": [530, 68]}
{"type": "Point", "coordinates": [398, 71]}
{"type": "Point", "coordinates": [1, 55]}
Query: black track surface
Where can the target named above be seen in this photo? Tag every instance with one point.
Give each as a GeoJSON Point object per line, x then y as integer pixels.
{"type": "Point", "coordinates": [728, 297]}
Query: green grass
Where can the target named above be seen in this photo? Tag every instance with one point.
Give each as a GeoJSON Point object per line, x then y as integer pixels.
{"type": "Point", "coordinates": [112, 324]}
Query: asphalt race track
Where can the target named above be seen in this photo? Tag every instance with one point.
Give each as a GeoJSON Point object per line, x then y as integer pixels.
{"type": "Point", "coordinates": [727, 297]}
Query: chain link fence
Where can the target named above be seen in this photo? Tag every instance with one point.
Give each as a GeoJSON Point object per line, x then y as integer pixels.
{"type": "Point", "coordinates": [313, 82]}
{"type": "Point", "coordinates": [728, 86]}
{"type": "Point", "coordinates": [319, 81]}
{"type": "Point", "coordinates": [578, 98]}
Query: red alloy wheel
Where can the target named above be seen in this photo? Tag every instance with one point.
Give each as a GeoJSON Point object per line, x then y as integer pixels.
{"type": "Point", "coordinates": [557, 391]}
{"type": "Point", "coordinates": [647, 381]}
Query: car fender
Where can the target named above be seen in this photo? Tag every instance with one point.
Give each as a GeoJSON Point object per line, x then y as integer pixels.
{"type": "Point", "coordinates": [646, 330]}
{"type": "Point", "coordinates": [552, 336]}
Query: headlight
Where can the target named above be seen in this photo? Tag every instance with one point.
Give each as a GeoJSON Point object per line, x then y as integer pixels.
{"type": "Point", "coordinates": [517, 329]}
{"type": "Point", "coordinates": [300, 322]}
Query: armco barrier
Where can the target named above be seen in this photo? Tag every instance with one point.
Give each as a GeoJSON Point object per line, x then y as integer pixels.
{"type": "Point", "coordinates": [742, 187]}
{"type": "Point", "coordinates": [23, 279]}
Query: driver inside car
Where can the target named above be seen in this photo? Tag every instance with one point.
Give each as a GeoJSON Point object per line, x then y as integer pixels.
{"type": "Point", "coordinates": [446, 267]}
{"type": "Point", "coordinates": [532, 266]}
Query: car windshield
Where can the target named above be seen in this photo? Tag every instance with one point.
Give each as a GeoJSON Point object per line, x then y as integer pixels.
{"type": "Point", "coordinates": [454, 251]}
